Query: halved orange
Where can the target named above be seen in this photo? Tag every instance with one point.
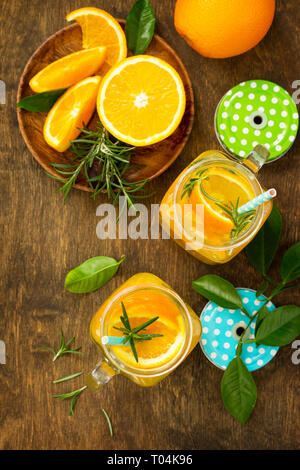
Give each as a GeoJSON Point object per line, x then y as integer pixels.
{"type": "Point", "coordinates": [141, 100]}
{"type": "Point", "coordinates": [73, 109]}
{"type": "Point", "coordinates": [69, 70]}
{"type": "Point", "coordinates": [99, 28]}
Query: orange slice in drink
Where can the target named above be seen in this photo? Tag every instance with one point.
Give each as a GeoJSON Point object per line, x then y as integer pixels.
{"type": "Point", "coordinates": [99, 28]}
{"type": "Point", "coordinates": [222, 186]}
{"type": "Point", "coordinates": [141, 306]}
{"type": "Point", "coordinates": [71, 111]}
{"type": "Point", "coordinates": [68, 70]}
{"type": "Point", "coordinates": [141, 100]}
{"type": "Point", "coordinates": [154, 353]}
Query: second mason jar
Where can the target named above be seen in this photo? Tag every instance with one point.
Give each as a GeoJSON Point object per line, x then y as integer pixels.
{"type": "Point", "coordinates": [199, 210]}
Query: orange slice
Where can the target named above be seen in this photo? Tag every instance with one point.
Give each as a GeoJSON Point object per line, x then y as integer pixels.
{"type": "Point", "coordinates": [141, 100]}
{"type": "Point", "coordinates": [156, 352]}
{"type": "Point", "coordinates": [223, 186]}
{"type": "Point", "coordinates": [73, 109]}
{"type": "Point", "coordinates": [141, 305]}
{"type": "Point", "coordinates": [99, 28]}
{"type": "Point", "coordinates": [68, 70]}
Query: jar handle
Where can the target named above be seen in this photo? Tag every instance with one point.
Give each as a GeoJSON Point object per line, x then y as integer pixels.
{"type": "Point", "coordinates": [257, 158]}
{"type": "Point", "coordinates": [101, 375]}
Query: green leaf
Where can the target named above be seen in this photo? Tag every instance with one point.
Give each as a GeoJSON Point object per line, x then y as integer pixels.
{"type": "Point", "coordinates": [279, 328]}
{"type": "Point", "coordinates": [41, 102]}
{"type": "Point", "coordinates": [239, 391]}
{"type": "Point", "coordinates": [92, 274]}
{"type": "Point", "coordinates": [261, 250]}
{"type": "Point", "coordinates": [140, 26]}
{"type": "Point", "coordinates": [218, 290]}
{"type": "Point", "coordinates": [290, 265]}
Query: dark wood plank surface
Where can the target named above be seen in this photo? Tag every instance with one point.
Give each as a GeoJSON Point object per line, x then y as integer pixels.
{"type": "Point", "coordinates": [41, 240]}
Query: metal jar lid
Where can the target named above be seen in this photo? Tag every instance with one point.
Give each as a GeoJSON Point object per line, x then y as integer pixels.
{"type": "Point", "coordinates": [256, 112]}
{"type": "Point", "coordinates": [222, 328]}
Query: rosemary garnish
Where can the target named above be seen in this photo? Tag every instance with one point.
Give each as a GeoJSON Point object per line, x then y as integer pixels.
{"type": "Point", "coordinates": [63, 347]}
{"type": "Point", "coordinates": [68, 377]}
{"type": "Point", "coordinates": [74, 395]}
{"type": "Point", "coordinates": [240, 221]}
{"type": "Point", "coordinates": [103, 162]}
{"type": "Point", "coordinates": [132, 335]}
{"type": "Point", "coordinates": [108, 422]}
{"type": "Point", "coordinates": [188, 187]}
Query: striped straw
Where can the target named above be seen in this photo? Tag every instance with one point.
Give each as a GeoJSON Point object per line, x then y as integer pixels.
{"type": "Point", "coordinates": [113, 340]}
{"type": "Point", "coordinates": [257, 201]}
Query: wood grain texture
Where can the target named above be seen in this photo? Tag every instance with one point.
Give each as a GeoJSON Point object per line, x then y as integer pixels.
{"type": "Point", "coordinates": [42, 240]}
{"type": "Point", "coordinates": [147, 162]}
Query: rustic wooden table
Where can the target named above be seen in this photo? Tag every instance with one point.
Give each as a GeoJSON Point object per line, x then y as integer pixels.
{"type": "Point", "coordinates": [42, 240]}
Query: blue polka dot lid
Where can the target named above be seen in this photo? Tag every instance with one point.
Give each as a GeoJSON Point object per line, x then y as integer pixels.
{"type": "Point", "coordinates": [223, 327]}
{"type": "Point", "coordinates": [257, 112]}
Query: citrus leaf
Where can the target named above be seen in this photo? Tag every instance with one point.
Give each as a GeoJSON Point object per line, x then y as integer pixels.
{"type": "Point", "coordinates": [261, 250]}
{"type": "Point", "coordinates": [92, 274]}
{"type": "Point", "coordinates": [279, 328]}
{"type": "Point", "coordinates": [218, 290]}
{"type": "Point", "coordinates": [239, 391]}
{"type": "Point", "coordinates": [290, 265]}
{"type": "Point", "coordinates": [140, 26]}
{"type": "Point", "coordinates": [41, 102]}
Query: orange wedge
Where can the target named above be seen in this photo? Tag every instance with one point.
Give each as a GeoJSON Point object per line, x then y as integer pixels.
{"type": "Point", "coordinates": [99, 28]}
{"type": "Point", "coordinates": [73, 109]}
{"type": "Point", "coordinates": [68, 70]}
{"type": "Point", "coordinates": [141, 100]}
{"type": "Point", "coordinates": [223, 186]}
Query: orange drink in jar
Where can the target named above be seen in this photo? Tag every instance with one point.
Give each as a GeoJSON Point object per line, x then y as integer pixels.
{"type": "Point", "coordinates": [175, 332]}
{"type": "Point", "coordinates": [200, 208]}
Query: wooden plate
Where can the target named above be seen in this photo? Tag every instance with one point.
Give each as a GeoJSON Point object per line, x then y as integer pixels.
{"type": "Point", "coordinates": [153, 160]}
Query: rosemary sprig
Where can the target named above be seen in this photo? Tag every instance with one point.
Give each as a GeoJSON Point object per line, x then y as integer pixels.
{"type": "Point", "coordinates": [103, 162]}
{"type": "Point", "coordinates": [74, 395]}
{"type": "Point", "coordinates": [108, 422]}
{"type": "Point", "coordinates": [63, 347]}
{"type": "Point", "coordinates": [188, 187]}
{"type": "Point", "coordinates": [240, 220]}
{"type": "Point", "coordinates": [132, 335]}
{"type": "Point", "coordinates": [68, 377]}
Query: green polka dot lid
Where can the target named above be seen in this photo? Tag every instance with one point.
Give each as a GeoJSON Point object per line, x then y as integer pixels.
{"type": "Point", "coordinates": [222, 329]}
{"type": "Point", "coordinates": [257, 112]}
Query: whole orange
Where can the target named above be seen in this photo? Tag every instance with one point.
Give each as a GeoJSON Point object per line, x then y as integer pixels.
{"type": "Point", "coordinates": [223, 28]}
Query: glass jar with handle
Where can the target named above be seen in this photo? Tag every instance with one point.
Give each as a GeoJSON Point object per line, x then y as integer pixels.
{"type": "Point", "coordinates": [160, 347]}
{"type": "Point", "coordinates": [200, 209]}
